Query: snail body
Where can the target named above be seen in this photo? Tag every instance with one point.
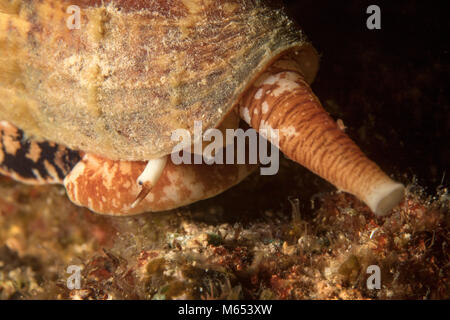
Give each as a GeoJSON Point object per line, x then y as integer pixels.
{"type": "Point", "coordinates": [115, 90]}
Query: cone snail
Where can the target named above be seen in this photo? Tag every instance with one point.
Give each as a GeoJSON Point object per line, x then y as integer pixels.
{"type": "Point", "coordinates": [94, 107]}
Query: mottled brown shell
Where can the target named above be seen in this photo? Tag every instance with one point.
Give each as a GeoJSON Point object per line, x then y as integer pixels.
{"type": "Point", "coordinates": [135, 70]}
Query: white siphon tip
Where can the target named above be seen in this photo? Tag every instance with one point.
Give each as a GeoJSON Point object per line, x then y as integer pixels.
{"type": "Point", "coordinates": [384, 197]}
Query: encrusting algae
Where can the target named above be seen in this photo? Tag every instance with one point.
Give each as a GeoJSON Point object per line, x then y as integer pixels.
{"type": "Point", "coordinates": [174, 256]}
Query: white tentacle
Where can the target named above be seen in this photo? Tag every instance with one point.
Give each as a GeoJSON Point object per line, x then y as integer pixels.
{"type": "Point", "coordinates": [149, 177]}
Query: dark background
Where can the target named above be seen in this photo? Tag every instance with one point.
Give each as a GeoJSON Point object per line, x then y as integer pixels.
{"type": "Point", "coordinates": [392, 82]}
{"type": "Point", "coordinates": [389, 86]}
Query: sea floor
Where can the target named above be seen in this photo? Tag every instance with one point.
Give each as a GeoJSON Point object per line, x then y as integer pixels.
{"type": "Point", "coordinates": [211, 251]}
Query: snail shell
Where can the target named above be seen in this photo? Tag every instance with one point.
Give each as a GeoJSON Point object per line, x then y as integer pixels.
{"type": "Point", "coordinates": [135, 70]}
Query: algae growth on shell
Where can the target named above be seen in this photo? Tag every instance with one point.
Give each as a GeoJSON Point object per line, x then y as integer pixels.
{"type": "Point", "coordinates": [120, 84]}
